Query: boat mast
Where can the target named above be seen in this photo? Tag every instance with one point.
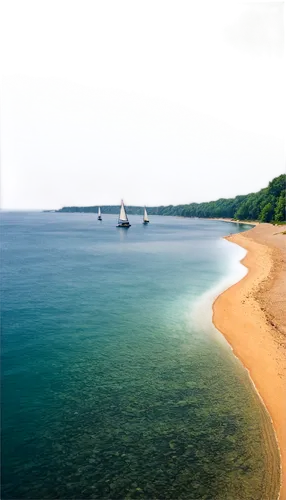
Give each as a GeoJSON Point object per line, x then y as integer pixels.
{"type": "Point", "coordinates": [145, 215]}
{"type": "Point", "coordinates": [123, 215]}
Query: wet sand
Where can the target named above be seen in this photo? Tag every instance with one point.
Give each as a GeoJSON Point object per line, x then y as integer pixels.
{"type": "Point", "coordinates": [251, 315]}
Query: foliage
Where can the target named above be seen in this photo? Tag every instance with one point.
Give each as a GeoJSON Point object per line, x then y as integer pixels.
{"type": "Point", "coordinates": [279, 214]}
{"type": "Point", "coordinates": [266, 213]}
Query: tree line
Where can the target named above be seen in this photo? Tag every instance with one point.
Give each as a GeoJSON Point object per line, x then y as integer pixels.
{"type": "Point", "coordinates": [267, 205]}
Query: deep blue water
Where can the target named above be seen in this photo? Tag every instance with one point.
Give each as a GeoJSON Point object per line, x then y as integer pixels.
{"type": "Point", "coordinates": [115, 384]}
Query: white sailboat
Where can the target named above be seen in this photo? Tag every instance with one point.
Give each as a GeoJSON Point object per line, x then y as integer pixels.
{"type": "Point", "coordinates": [99, 214]}
{"type": "Point", "coordinates": [145, 217]}
{"type": "Point", "coordinates": [123, 219]}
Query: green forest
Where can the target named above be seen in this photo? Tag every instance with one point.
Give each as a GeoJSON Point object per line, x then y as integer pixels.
{"type": "Point", "coordinates": [267, 205]}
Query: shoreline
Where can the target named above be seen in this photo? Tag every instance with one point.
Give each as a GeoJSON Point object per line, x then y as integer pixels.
{"type": "Point", "coordinates": [250, 315]}
{"type": "Point", "coordinates": [220, 219]}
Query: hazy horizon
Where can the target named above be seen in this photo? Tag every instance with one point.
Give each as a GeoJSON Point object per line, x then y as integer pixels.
{"type": "Point", "coordinates": [65, 145]}
{"type": "Point", "coordinates": [37, 209]}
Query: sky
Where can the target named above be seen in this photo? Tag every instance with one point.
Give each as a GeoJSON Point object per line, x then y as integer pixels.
{"type": "Point", "coordinates": [62, 144]}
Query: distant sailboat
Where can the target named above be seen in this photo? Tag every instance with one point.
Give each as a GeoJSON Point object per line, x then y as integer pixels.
{"type": "Point", "coordinates": [99, 214]}
{"type": "Point", "coordinates": [123, 219]}
{"type": "Point", "coordinates": [145, 217]}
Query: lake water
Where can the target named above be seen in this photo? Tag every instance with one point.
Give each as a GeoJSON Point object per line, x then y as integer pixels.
{"type": "Point", "coordinates": [115, 384]}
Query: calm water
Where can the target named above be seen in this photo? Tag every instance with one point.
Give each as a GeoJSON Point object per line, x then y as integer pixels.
{"type": "Point", "coordinates": [115, 383]}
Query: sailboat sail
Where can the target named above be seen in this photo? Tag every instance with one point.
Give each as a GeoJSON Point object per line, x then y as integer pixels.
{"type": "Point", "coordinates": [123, 216]}
{"type": "Point", "coordinates": [99, 212]}
{"type": "Point", "coordinates": [145, 216]}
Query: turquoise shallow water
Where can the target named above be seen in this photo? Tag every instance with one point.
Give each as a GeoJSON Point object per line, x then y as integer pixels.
{"type": "Point", "coordinates": [115, 384]}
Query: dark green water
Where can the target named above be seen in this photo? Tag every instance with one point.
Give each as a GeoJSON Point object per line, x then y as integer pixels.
{"type": "Point", "coordinates": [115, 384]}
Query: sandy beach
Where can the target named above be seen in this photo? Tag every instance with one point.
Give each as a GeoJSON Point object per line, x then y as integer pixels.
{"type": "Point", "coordinates": [251, 315]}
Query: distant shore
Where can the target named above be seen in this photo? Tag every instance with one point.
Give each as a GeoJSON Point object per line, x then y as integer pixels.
{"type": "Point", "coordinates": [235, 221]}
{"type": "Point", "coordinates": [251, 316]}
